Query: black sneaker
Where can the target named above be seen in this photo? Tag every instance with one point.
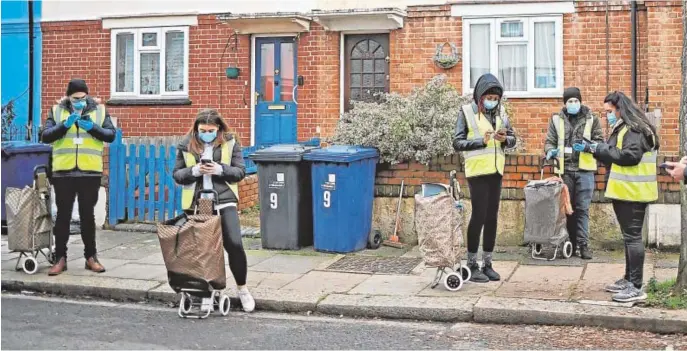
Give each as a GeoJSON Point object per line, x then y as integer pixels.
{"type": "Point", "coordinates": [491, 273]}
{"type": "Point", "coordinates": [585, 253]}
{"type": "Point", "coordinates": [476, 275]}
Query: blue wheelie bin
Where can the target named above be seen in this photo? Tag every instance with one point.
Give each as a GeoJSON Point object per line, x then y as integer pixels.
{"type": "Point", "coordinates": [343, 180]}
{"type": "Point", "coordinates": [19, 158]}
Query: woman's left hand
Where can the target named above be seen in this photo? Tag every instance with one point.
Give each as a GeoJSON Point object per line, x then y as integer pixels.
{"type": "Point", "coordinates": [500, 137]}
{"type": "Point", "coordinates": [216, 168]}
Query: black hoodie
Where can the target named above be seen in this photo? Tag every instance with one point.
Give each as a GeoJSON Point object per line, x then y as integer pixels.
{"type": "Point", "coordinates": [460, 140]}
{"type": "Point", "coordinates": [53, 132]}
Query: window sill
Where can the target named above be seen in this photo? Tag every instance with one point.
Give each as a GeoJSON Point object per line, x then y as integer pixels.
{"type": "Point", "coordinates": [148, 102]}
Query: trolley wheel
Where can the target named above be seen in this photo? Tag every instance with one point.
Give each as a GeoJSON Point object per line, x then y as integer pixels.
{"type": "Point", "coordinates": [537, 249]}
{"type": "Point", "coordinates": [215, 299]}
{"type": "Point", "coordinates": [567, 249]}
{"type": "Point", "coordinates": [185, 304]}
{"type": "Point", "coordinates": [224, 304]}
{"type": "Point", "coordinates": [374, 240]}
{"type": "Point", "coordinates": [30, 265]}
{"type": "Point", "coordinates": [465, 273]}
{"type": "Point", "coordinates": [453, 281]}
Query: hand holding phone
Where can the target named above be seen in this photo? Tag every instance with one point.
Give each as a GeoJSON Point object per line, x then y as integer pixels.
{"type": "Point", "coordinates": [205, 161]}
{"type": "Point", "coordinates": [666, 166]}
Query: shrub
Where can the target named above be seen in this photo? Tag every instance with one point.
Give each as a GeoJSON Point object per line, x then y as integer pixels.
{"type": "Point", "coordinates": [419, 126]}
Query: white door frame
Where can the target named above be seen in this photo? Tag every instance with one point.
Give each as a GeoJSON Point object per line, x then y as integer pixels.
{"type": "Point", "coordinates": [253, 73]}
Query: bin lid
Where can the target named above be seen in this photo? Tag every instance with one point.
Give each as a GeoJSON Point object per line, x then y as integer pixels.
{"type": "Point", "coordinates": [11, 148]}
{"type": "Point", "coordinates": [281, 153]}
{"type": "Point", "coordinates": [342, 154]}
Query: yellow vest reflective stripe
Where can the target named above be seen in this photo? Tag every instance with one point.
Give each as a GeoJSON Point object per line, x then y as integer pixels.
{"type": "Point", "coordinates": [488, 160]}
{"type": "Point", "coordinates": [587, 161]}
{"type": "Point", "coordinates": [189, 191]}
{"type": "Point", "coordinates": [86, 156]}
{"type": "Point", "coordinates": [633, 183]}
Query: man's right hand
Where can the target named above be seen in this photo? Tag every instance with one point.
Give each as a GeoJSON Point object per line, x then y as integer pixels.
{"type": "Point", "coordinates": [71, 120]}
{"type": "Point", "coordinates": [551, 154]}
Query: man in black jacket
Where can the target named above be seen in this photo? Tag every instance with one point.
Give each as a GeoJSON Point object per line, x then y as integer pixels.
{"type": "Point", "coordinates": [77, 127]}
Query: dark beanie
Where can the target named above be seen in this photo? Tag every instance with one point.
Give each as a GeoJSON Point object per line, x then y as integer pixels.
{"type": "Point", "coordinates": [571, 92]}
{"type": "Point", "coordinates": [77, 86]}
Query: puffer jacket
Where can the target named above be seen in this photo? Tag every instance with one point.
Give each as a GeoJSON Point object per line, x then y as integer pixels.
{"type": "Point", "coordinates": [460, 137]}
{"type": "Point", "coordinates": [574, 131]}
{"type": "Point", "coordinates": [231, 173]}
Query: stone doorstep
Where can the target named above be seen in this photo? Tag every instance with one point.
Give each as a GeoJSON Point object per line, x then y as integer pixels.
{"type": "Point", "coordinates": [484, 309]}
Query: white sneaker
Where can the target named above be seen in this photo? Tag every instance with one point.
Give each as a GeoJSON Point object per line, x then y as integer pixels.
{"type": "Point", "coordinates": [247, 300]}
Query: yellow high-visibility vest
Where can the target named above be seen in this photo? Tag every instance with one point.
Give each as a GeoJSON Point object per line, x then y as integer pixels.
{"type": "Point", "coordinates": [587, 161]}
{"type": "Point", "coordinates": [78, 149]}
{"type": "Point", "coordinates": [188, 191]}
{"type": "Point", "coordinates": [633, 183]}
{"type": "Point", "coordinates": [489, 160]}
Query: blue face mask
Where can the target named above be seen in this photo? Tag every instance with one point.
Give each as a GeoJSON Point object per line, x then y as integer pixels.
{"type": "Point", "coordinates": [573, 107]}
{"type": "Point", "coordinates": [612, 119]}
{"type": "Point", "coordinates": [208, 137]}
{"type": "Point", "coordinates": [490, 104]}
{"type": "Point", "coordinates": [79, 105]}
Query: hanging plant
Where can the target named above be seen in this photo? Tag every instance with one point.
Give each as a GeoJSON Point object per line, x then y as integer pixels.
{"type": "Point", "coordinates": [446, 60]}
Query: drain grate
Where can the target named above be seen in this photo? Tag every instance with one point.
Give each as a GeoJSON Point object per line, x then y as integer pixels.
{"type": "Point", "coordinates": [365, 264]}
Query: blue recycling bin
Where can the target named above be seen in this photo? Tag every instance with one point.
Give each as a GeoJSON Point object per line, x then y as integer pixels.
{"type": "Point", "coordinates": [19, 158]}
{"type": "Point", "coordinates": [343, 179]}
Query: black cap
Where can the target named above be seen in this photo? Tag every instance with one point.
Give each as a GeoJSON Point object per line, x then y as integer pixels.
{"type": "Point", "coordinates": [77, 86]}
{"type": "Point", "coordinates": [571, 92]}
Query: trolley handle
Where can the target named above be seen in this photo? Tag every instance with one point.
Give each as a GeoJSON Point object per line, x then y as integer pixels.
{"type": "Point", "coordinates": [454, 186]}
{"type": "Point", "coordinates": [40, 179]}
{"type": "Point", "coordinates": [215, 198]}
{"type": "Point", "coordinates": [553, 163]}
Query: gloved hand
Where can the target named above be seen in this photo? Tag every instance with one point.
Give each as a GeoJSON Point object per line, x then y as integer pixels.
{"type": "Point", "coordinates": [579, 147]}
{"type": "Point", "coordinates": [585, 147]}
{"type": "Point", "coordinates": [551, 154]}
{"type": "Point", "coordinates": [85, 124]}
{"type": "Point", "coordinates": [69, 122]}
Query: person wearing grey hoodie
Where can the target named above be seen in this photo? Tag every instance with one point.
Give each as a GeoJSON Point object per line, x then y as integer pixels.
{"type": "Point", "coordinates": [483, 131]}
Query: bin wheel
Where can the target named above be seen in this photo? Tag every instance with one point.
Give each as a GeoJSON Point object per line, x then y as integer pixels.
{"type": "Point", "coordinates": [453, 281]}
{"type": "Point", "coordinates": [224, 304]}
{"type": "Point", "coordinates": [374, 240]}
{"type": "Point", "coordinates": [537, 249]}
{"type": "Point", "coordinates": [567, 249]}
{"type": "Point", "coordinates": [465, 273]}
{"type": "Point", "coordinates": [30, 265]}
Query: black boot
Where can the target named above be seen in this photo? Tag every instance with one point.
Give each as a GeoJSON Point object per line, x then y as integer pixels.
{"type": "Point", "coordinates": [585, 252]}
{"type": "Point", "coordinates": [476, 275]}
{"type": "Point", "coordinates": [490, 273]}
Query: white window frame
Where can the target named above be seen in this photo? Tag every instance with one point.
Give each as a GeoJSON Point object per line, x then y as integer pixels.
{"type": "Point", "coordinates": [138, 49]}
{"type": "Point", "coordinates": [495, 35]}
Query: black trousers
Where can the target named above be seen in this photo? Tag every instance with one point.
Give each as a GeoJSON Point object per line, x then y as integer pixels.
{"type": "Point", "coordinates": [66, 191]}
{"type": "Point", "coordinates": [631, 218]}
{"type": "Point", "coordinates": [231, 236]}
{"type": "Point", "coordinates": [485, 196]}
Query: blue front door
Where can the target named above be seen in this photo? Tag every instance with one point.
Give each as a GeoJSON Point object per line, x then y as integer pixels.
{"type": "Point", "coordinates": [275, 78]}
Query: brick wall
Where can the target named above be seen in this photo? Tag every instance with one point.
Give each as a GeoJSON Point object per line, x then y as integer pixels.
{"type": "Point", "coordinates": [248, 192]}
{"type": "Point", "coordinates": [519, 170]}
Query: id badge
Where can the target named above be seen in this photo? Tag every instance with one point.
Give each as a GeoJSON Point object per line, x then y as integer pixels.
{"type": "Point", "coordinates": [78, 141]}
{"type": "Point", "coordinates": [568, 150]}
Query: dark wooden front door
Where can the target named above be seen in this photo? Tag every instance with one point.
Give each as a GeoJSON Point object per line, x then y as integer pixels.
{"type": "Point", "coordinates": [367, 67]}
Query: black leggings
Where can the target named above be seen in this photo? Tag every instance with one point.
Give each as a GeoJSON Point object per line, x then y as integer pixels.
{"type": "Point", "coordinates": [231, 236]}
{"type": "Point", "coordinates": [485, 196]}
{"type": "Point", "coordinates": [631, 218]}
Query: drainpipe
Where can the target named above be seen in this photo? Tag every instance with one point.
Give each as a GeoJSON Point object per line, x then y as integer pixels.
{"type": "Point", "coordinates": [31, 69]}
{"type": "Point", "coordinates": [633, 21]}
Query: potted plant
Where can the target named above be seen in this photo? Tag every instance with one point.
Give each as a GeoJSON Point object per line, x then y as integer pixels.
{"type": "Point", "coordinates": [444, 59]}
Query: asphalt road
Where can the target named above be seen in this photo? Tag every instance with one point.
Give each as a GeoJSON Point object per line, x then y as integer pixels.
{"type": "Point", "coordinates": [32, 322]}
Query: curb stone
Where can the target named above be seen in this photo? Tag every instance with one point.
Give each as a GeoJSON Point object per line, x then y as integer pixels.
{"type": "Point", "coordinates": [249, 232]}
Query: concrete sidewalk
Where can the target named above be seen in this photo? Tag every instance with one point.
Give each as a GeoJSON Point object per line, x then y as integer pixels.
{"type": "Point", "coordinates": [385, 283]}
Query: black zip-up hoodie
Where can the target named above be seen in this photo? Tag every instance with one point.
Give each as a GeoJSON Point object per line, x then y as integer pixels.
{"type": "Point", "coordinates": [53, 132]}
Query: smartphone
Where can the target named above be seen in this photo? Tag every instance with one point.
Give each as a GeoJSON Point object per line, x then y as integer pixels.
{"type": "Point", "coordinates": [665, 166]}
{"type": "Point", "coordinates": [205, 161]}
{"type": "Point", "coordinates": [502, 131]}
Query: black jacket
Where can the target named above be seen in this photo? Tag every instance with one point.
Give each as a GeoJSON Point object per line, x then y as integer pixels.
{"type": "Point", "coordinates": [232, 173]}
{"type": "Point", "coordinates": [635, 144]}
{"type": "Point", "coordinates": [460, 137]}
{"type": "Point", "coordinates": [53, 132]}
{"type": "Point", "coordinates": [574, 131]}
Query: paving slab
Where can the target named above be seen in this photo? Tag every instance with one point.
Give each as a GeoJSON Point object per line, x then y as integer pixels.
{"type": "Point", "coordinates": [663, 274]}
{"type": "Point", "coordinates": [152, 259]}
{"type": "Point", "coordinates": [499, 310]}
{"type": "Point", "coordinates": [77, 268]}
{"type": "Point", "coordinates": [443, 309]}
{"type": "Point", "coordinates": [70, 285]}
{"type": "Point", "coordinates": [545, 282]}
{"type": "Point", "coordinates": [253, 256]}
{"type": "Point", "coordinates": [130, 251]}
{"type": "Point", "coordinates": [276, 280]}
{"type": "Point", "coordinates": [252, 279]}
{"type": "Point", "coordinates": [326, 282]}
{"type": "Point", "coordinates": [285, 300]}
{"type": "Point", "coordinates": [289, 264]}
{"type": "Point", "coordinates": [598, 275]}
{"type": "Point", "coordinates": [138, 271]}
{"type": "Point", "coordinates": [504, 268]}
{"type": "Point", "coordinates": [399, 285]}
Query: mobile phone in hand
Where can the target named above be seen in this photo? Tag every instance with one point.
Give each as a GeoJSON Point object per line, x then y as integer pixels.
{"type": "Point", "coordinates": [205, 161]}
{"type": "Point", "coordinates": [665, 166]}
{"type": "Point", "coordinates": [502, 131]}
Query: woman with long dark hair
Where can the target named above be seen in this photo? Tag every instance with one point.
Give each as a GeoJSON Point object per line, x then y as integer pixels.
{"type": "Point", "coordinates": [630, 153]}
{"type": "Point", "coordinates": [210, 158]}
{"type": "Point", "coordinates": [482, 133]}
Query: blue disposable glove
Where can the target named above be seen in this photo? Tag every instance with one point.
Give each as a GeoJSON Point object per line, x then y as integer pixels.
{"type": "Point", "coordinates": [551, 154]}
{"type": "Point", "coordinates": [71, 119]}
{"type": "Point", "coordinates": [585, 147]}
{"type": "Point", "coordinates": [85, 124]}
{"type": "Point", "coordinates": [579, 147]}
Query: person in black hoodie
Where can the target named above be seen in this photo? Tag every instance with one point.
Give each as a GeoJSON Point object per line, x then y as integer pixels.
{"type": "Point", "coordinates": [77, 127]}
{"type": "Point", "coordinates": [210, 158]}
{"type": "Point", "coordinates": [483, 131]}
